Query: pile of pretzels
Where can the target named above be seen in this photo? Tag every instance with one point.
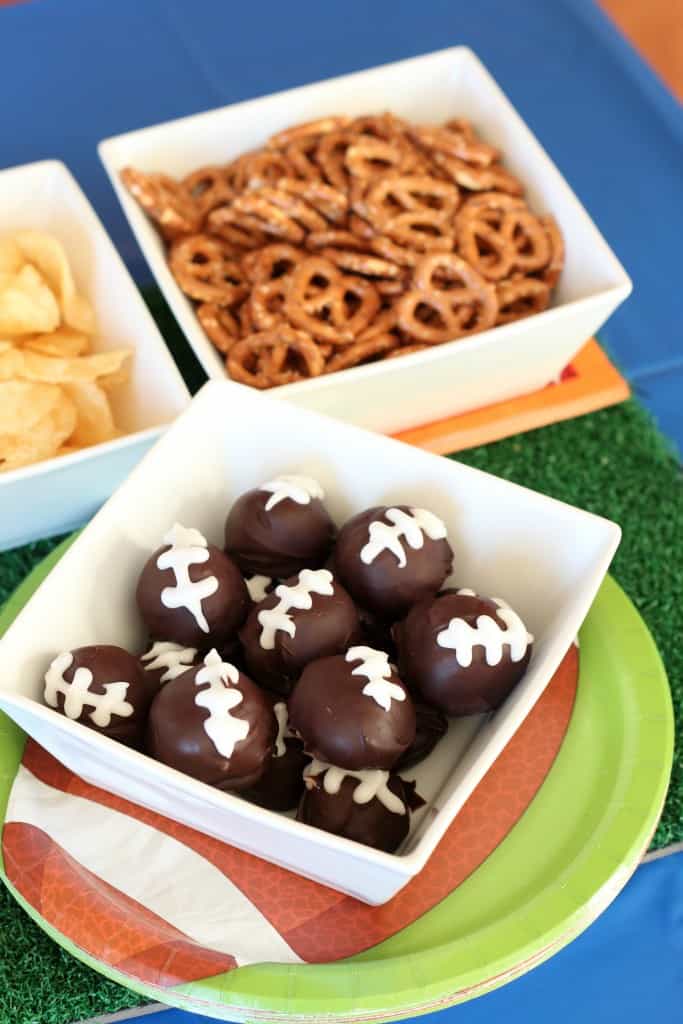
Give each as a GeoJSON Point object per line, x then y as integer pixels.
{"type": "Point", "coordinates": [347, 240]}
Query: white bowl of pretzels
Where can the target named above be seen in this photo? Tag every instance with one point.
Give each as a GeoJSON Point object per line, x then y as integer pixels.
{"type": "Point", "coordinates": [303, 243]}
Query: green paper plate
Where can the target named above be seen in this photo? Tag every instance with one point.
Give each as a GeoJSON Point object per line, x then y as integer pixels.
{"type": "Point", "coordinates": [558, 869]}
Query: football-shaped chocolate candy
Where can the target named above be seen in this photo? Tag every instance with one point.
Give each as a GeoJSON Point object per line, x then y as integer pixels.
{"type": "Point", "coordinates": [388, 558]}
{"type": "Point", "coordinates": [463, 653]}
{"type": "Point", "coordinates": [281, 786]}
{"type": "Point", "coordinates": [307, 617]}
{"type": "Point", "coordinates": [103, 687]}
{"type": "Point", "coordinates": [279, 528]}
{"type": "Point", "coordinates": [370, 807]}
{"type": "Point", "coordinates": [190, 593]}
{"type": "Point", "coordinates": [353, 711]}
{"type": "Point", "coordinates": [213, 723]}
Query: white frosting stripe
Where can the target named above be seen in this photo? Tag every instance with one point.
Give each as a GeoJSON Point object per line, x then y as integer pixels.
{"type": "Point", "coordinates": [77, 694]}
{"type": "Point", "coordinates": [410, 527]}
{"type": "Point", "coordinates": [299, 597]}
{"type": "Point", "coordinates": [283, 731]}
{"type": "Point", "coordinates": [300, 489]}
{"type": "Point", "coordinates": [258, 587]}
{"type": "Point", "coordinates": [174, 659]}
{"type": "Point", "coordinates": [372, 784]}
{"type": "Point", "coordinates": [374, 665]}
{"type": "Point", "coordinates": [219, 699]}
{"type": "Point", "coordinates": [186, 547]}
{"type": "Point", "coordinates": [461, 637]}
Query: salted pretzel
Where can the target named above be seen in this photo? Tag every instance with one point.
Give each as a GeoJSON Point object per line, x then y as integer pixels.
{"type": "Point", "coordinates": [551, 273]}
{"type": "Point", "coordinates": [391, 196]}
{"type": "Point", "coordinates": [205, 270]}
{"type": "Point", "coordinates": [449, 300]}
{"type": "Point", "coordinates": [329, 305]}
{"type": "Point", "coordinates": [208, 187]}
{"type": "Point", "coordinates": [165, 200]}
{"type": "Point", "coordinates": [520, 297]}
{"type": "Point", "coordinates": [478, 178]}
{"type": "Point", "coordinates": [267, 301]}
{"type": "Point", "coordinates": [323, 126]}
{"type": "Point", "coordinates": [362, 263]}
{"type": "Point", "coordinates": [361, 352]}
{"type": "Point", "coordinates": [268, 359]}
{"type": "Point", "coordinates": [271, 261]}
{"type": "Point", "coordinates": [422, 229]}
{"type": "Point", "coordinates": [367, 157]}
{"type": "Point", "coordinates": [219, 324]}
{"type": "Point", "coordinates": [438, 139]}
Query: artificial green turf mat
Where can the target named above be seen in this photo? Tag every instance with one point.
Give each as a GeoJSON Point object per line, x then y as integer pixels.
{"type": "Point", "coordinates": [615, 463]}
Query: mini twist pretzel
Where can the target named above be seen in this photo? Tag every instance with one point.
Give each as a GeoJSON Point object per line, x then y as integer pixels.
{"type": "Point", "coordinates": [335, 238]}
{"type": "Point", "coordinates": [330, 156]}
{"type": "Point", "coordinates": [390, 250]}
{"type": "Point", "coordinates": [529, 239]}
{"type": "Point", "coordinates": [478, 179]}
{"type": "Point", "coordinates": [323, 126]}
{"type": "Point", "coordinates": [295, 207]}
{"type": "Point", "coordinates": [361, 352]}
{"type": "Point", "coordinates": [235, 229]}
{"type": "Point", "coordinates": [301, 155]}
{"type": "Point", "coordinates": [362, 263]}
{"type": "Point", "coordinates": [394, 195]}
{"type": "Point", "coordinates": [421, 229]}
{"type": "Point", "coordinates": [209, 188]}
{"type": "Point", "coordinates": [463, 304]}
{"type": "Point", "coordinates": [165, 201]}
{"type": "Point", "coordinates": [331, 203]}
{"type": "Point", "coordinates": [329, 305]}
{"type": "Point", "coordinates": [271, 262]}
{"type": "Point", "coordinates": [204, 271]}
{"type": "Point", "coordinates": [551, 273]}
{"type": "Point", "coordinates": [521, 297]}
{"type": "Point", "coordinates": [367, 157]}
{"type": "Point", "coordinates": [271, 358]}
{"type": "Point", "coordinates": [406, 350]}
{"type": "Point", "coordinates": [219, 324]}
{"type": "Point", "coordinates": [481, 238]}
{"type": "Point", "coordinates": [457, 144]}
{"type": "Point", "coordinates": [267, 302]}
{"type": "Point", "coordinates": [258, 168]}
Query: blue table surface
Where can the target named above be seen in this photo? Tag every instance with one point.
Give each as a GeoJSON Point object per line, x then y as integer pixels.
{"type": "Point", "coordinates": [75, 72]}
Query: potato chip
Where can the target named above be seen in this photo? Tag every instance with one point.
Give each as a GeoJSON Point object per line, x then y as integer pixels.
{"type": "Point", "coordinates": [64, 343]}
{"type": "Point", "coordinates": [23, 403]}
{"type": "Point", "coordinates": [11, 259]}
{"type": "Point", "coordinates": [45, 435]}
{"type": "Point", "coordinates": [27, 365]}
{"type": "Point", "coordinates": [27, 306]}
{"type": "Point", "coordinates": [95, 422]}
{"type": "Point", "coordinates": [48, 255]}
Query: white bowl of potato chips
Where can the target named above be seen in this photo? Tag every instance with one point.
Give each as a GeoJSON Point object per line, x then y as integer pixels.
{"type": "Point", "coordinates": [86, 380]}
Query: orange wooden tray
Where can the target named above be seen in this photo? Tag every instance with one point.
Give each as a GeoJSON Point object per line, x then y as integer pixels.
{"type": "Point", "coordinates": [590, 382]}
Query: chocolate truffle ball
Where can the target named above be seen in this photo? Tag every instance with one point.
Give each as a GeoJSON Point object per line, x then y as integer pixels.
{"type": "Point", "coordinates": [282, 785]}
{"type": "Point", "coordinates": [309, 616]}
{"type": "Point", "coordinates": [353, 711]}
{"type": "Point", "coordinates": [370, 807]}
{"type": "Point", "coordinates": [279, 528]}
{"type": "Point", "coordinates": [463, 653]}
{"type": "Point", "coordinates": [431, 725]}
{"type": "Point", "coordinates": [213, 723]}
{"type": "Point", "coordinates": [103, 687]}
{"type": "Point", "coordinates": [190, 593]}
{"type": "Point", "coordinates": [388, 558]}
{"type": "Point", "coordinates": [164, 661]}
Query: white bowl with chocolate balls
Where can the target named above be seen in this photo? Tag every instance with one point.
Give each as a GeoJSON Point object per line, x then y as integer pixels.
{"type": "Point", "coordinates": [300, 638]}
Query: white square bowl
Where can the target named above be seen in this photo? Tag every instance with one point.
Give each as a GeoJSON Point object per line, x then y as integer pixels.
{"type": "Point", "coordinates": [546, 558]}
{"type": "Point", "coordinates": [59, 494]}
{"type": "Point", "coordinates": [397, 394]}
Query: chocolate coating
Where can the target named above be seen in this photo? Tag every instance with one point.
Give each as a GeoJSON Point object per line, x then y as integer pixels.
{"type": "Point", "coordinates": [341, 725]}
{"type": "Point", "coordinates": [281, 786]}
{"type": "Point", "coordinates": [329, 626]}
{"type": "Point", "coordinates": [370, 823]}
{"type": "Point", "coordinates": [107, 664]}
{"type": "Point", "coordinates": [431, 725]}
{"type": "Point", "coordinates": [435, 671]}
{"type": "Point", "coordinates": [280, 542]}
{"type": "Point", "coordinates": [176, 733]}
{"type": "Point", "coordinates": [384, 587]}
{"type": "Point", "coordinates": [161, 663]}
{"type": "Point", "coordinates": [225, 610]}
